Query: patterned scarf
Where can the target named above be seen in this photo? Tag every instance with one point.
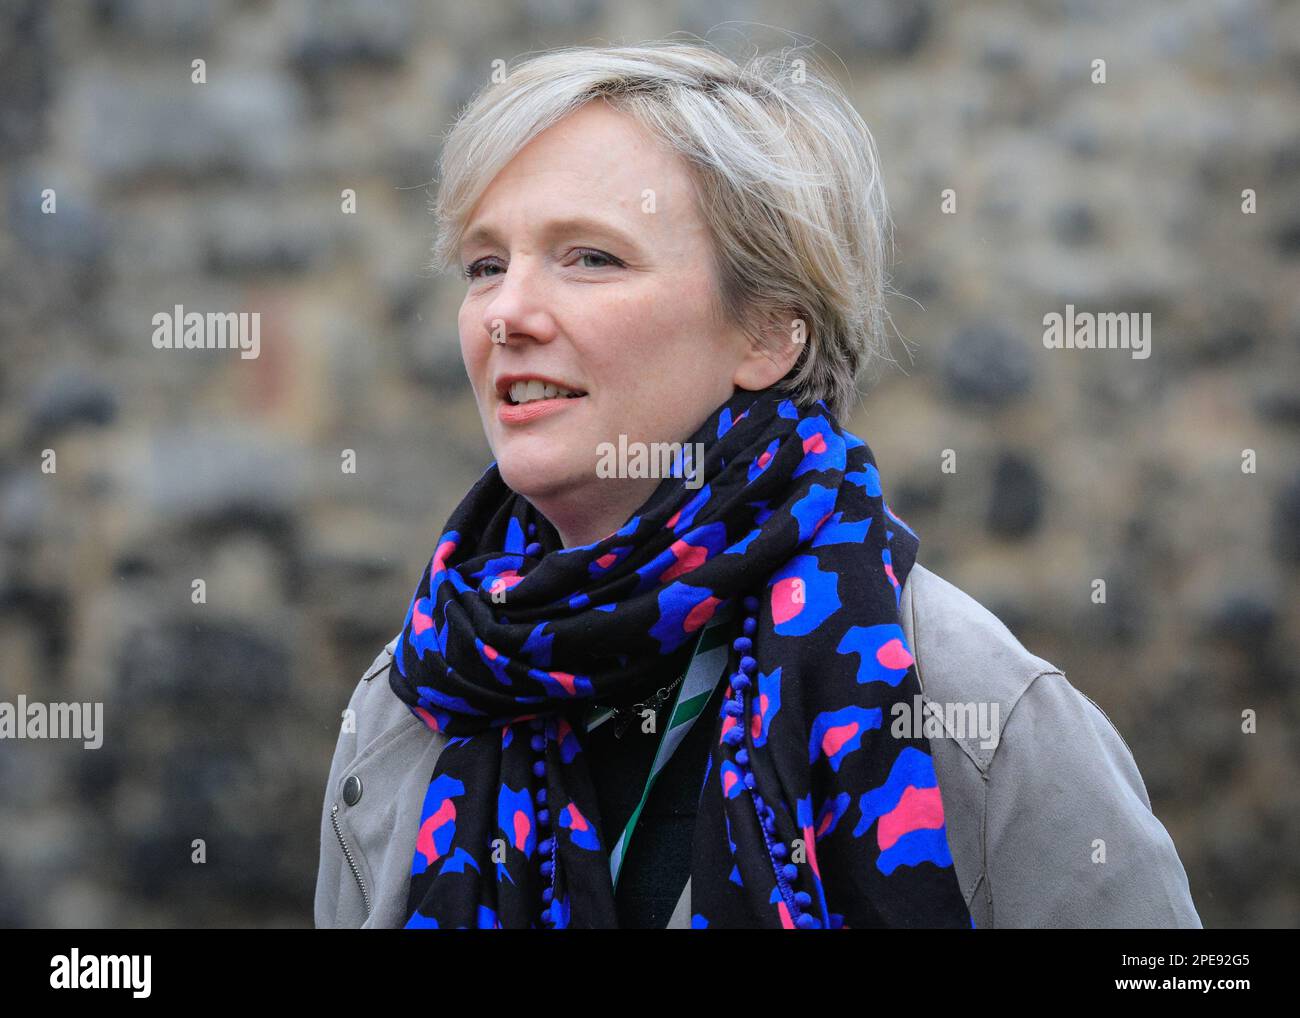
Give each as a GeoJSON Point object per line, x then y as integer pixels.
{"type": "Point", "coordinates": [812, 814]}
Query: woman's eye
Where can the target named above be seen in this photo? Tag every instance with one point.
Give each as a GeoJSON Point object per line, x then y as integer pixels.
{"type": "Point", "coordinates": [608, 259]}
{"type": "Point", "coordinates": [478, 268]}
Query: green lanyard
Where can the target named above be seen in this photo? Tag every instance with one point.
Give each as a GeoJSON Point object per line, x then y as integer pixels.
{"type": "Point", "coordinates": [709, 659]}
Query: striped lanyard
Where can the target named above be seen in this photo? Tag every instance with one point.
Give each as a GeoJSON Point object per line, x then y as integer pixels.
{"type": "Point", "coordinates": [708, 661]}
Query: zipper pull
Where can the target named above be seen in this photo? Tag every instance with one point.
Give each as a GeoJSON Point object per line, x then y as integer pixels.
{"type": "Point", "coordinates": [623, 716]}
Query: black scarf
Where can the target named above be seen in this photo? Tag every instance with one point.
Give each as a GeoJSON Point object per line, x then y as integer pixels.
{"type": "Point", "coordinates": [812, 814]}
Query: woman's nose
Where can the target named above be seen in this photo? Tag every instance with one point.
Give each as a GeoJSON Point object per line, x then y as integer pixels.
{"type": "Point", "coordinates": [519, 306]}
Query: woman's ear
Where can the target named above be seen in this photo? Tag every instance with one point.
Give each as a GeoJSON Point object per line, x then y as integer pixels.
{"type": "Point", "coordinates": [784, 337]}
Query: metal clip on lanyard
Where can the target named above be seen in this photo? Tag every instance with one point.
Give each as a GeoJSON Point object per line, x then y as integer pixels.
{"type": "Point", "coordinates": [624, 716]}
{"type": "Point", "coordinates": [706, 669]}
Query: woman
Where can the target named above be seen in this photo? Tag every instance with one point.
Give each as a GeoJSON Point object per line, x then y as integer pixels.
{"type": "Point", "coordinates": [674, 272]}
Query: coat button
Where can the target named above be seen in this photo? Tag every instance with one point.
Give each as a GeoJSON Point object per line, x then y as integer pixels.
{"type": "Point", "coordinates": [352, 790]}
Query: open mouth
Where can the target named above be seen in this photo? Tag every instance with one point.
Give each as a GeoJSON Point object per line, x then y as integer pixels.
{"type": "Point", "coordinates": [521, 394]}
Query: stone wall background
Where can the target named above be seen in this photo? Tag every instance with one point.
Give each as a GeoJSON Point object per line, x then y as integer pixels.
{"type": "Point", "coordinates": [1071, 465]}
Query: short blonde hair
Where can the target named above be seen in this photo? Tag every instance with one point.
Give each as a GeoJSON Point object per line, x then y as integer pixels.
{"type": "Point", "coordinates": [786, 174]}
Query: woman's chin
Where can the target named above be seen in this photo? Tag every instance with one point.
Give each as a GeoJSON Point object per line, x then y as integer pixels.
{"type": "Point", "coordinates": [531, 475]}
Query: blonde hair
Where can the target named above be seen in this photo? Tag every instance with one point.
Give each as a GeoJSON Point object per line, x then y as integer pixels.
{"type": "Point", "coordinates": [786, 175]}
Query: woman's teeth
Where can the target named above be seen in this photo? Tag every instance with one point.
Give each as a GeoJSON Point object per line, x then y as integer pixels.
{"type": "Point", "coordinates": [526, 392]}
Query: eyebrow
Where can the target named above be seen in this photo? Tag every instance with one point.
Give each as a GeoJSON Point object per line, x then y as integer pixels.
{"type": "Point", "coordinates": [486, 234]}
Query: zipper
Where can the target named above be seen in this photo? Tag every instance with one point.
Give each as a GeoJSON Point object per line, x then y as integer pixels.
{"type": "Point", "coordinates": [334, 819]}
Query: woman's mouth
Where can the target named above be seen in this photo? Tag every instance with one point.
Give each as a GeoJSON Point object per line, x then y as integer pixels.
{"type": "Point", "coordinates": [526, 401]}
{"type": "Point", "coordinates": [520, 393]}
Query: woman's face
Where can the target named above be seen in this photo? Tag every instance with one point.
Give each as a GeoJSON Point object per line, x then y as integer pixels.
{"type": "Point", "coordinates": [590, 266]}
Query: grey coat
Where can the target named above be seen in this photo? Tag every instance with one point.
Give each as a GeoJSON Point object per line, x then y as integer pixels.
{"type": "Point", "coordinates": [1049, 822]}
